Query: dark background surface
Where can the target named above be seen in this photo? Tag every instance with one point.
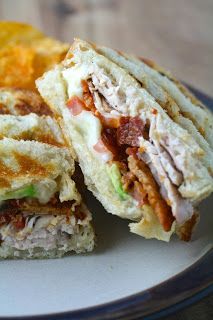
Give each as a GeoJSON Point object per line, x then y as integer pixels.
{"type": "Point", "coordinates": [177, 34]}
{"type": "Point", "coordinates": [199, 311]}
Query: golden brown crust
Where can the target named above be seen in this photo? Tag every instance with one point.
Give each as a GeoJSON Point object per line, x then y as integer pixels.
{"type": "Point", "coordinates": [147, 61]}
{"type": "Point", "coordinates": [26, 165]}
{"type": "Point", "coordinates": [29, 101]}
{"type": "Point", "coordinates": [4, 109]}
{"type": "Point", "coordinates": [25, 102]}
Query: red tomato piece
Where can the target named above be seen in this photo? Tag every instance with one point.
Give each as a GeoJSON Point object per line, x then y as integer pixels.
{"type": "Point", "coordinates": [75, 105]}
{"type": "Point", "coordinates": [100, 147]}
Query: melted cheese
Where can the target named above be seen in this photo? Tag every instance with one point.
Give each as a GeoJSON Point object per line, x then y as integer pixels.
{"type": "Point", "coordinates": [73, 77]}
{"type": "Point", "coordinates": [86, 123]}
{"type": "Point", "coordinates": [90, 128]}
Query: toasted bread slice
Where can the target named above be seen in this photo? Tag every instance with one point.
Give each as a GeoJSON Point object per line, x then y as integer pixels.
{"type": "Point", "coordinates": [31, 127]}
{"type": "Point", "coordinates": [47, 168]}
{"type": "Point", "coordinates": [21, 102]}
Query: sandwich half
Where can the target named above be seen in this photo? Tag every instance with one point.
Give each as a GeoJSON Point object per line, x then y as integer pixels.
{"type": "Point", "coordinates": [41, 211]}
{"type": "Point", "coordinates": [144, 160]}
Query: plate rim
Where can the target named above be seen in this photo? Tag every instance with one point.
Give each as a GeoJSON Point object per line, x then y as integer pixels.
{"type": "Point", "coordinates": [132, 306]}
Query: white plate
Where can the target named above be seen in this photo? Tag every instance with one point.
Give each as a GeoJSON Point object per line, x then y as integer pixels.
{"type": "Point", "coordinates": [123, 264]}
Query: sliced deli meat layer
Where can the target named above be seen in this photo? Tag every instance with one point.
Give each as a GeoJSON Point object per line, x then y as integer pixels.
{"type": "Point", "coordinates": [137, 158]}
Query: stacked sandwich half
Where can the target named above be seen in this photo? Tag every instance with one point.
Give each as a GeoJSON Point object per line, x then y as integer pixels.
{"type": "Point", "coordinates": [144, 143]}
{"type": "Point", "coordinates": [42, 214]}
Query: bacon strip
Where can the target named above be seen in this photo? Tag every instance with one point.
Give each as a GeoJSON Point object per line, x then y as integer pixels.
{"type": "Point", "coordinates": [15, 211]}
{"type": "Point", "coordinates": [159, 205]}
{"type": "Point", "coordinates": [87, 97]}
{"type": "Point", "coordinates": [130, 130]}
{"type": "Point", "coordinates": [17, 220]}
{"type": "Point", "coordinates": [54, 206]}
{"type": "Point", "coordinates": [139, 193]}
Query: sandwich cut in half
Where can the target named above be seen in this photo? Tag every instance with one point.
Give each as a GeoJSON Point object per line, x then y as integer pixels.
{"type": "Point", "coordinates": [41, 211]}
{"type": "Point", "coordinates": [143, 153]}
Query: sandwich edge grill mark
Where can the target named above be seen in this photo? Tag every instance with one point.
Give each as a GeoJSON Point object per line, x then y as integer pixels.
{"type": "Point", "coordinates": [25, 165]}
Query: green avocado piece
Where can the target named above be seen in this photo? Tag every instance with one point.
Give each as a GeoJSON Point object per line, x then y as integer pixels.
{"type": "Point", "coordinates": [29, 191]}
{"type": "Point", "coordinates": [115, 177]}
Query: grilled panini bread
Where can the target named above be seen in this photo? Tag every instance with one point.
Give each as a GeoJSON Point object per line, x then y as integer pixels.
{"type": "Point", "coordinates": [24, 102]}
{"type": "Point", "coordinates": [142, 160]}
{"type": "Point", "coordinates": [21, 102]}
{"type": "Point", "coordinates": [41, 212]}
{"type": "Point", "coordinates": [31, 127]}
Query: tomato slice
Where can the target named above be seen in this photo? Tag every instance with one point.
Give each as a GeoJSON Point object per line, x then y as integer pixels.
{"type": "Point", "coordinates": [75, 105]}
{"type": "Point", "coordinates": [100, 147]}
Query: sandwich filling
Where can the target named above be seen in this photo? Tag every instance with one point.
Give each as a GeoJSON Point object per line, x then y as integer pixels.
{"type": "Point", "coordinates": [62, 230]}
{"type": "Point", "coordinates": [144, 161]}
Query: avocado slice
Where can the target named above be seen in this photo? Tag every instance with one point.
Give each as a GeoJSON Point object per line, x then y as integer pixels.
{"type": "Point", "coordinates": [115, 177]}
{"type": "Point", "coordinates": [27, 191]}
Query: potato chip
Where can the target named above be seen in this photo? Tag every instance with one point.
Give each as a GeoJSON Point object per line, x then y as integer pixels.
{"type": "Point", "coordinates": [26, 53]}
{"type": "Point", "coordinates": [16, 33]}
{"type": "Point", "coordinates": [48, 53]}
{"type": "Point", "coordinates": [16, 66]}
